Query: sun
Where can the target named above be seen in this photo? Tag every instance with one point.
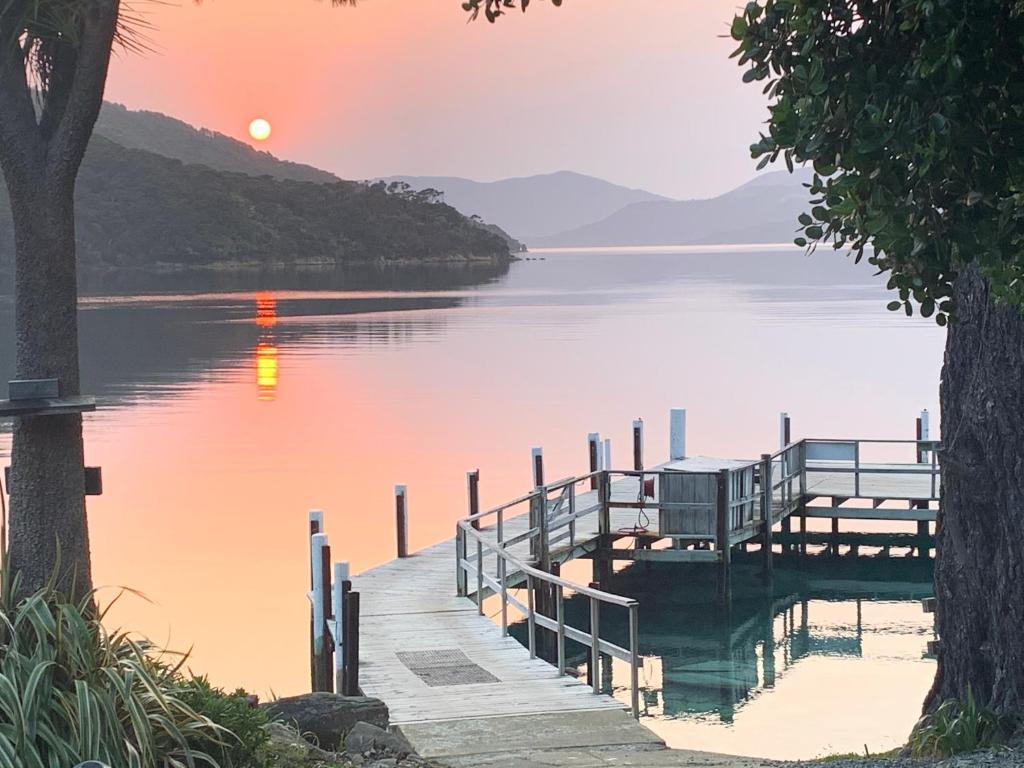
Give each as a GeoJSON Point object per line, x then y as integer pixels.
{"type": "Point", "coordinates": [259, 129]}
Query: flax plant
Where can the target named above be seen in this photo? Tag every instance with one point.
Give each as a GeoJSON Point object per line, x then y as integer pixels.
{"type": "Point", "coordinates": [72, 691]}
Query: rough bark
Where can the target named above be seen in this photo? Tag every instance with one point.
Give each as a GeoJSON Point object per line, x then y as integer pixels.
{"type": "Point", "coordinates": [40, 156]}
{"type": "Point", "coordinates": [979, 565]}
{"type": "Point", "coordinates": [47, 524]}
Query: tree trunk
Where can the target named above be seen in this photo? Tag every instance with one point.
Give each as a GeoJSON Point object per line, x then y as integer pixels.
{"type": "Point", "coordinates": [979, 565]}
{"type": "Point", "coordinates": [48, 523]}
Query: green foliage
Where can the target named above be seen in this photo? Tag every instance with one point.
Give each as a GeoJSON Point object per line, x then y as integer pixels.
{"type": "Point", "coordinates": [140, 209]}
{"type": "Point", "coordinates": [956, 727]}
{"type": "Point", "coordinates": [912, 115]}
{"type": "Point", "coordinates": [244, 748]}
{"type": "Point", "coordinates": [493, 9]}
{"type": "Point", "coordinates": [71, 691]}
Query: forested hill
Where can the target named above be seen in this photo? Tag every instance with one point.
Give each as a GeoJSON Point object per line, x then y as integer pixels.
{"type": "Point", "coordinates": [171, 137]}
{"type": "Point", "coordinates": [140, 209]}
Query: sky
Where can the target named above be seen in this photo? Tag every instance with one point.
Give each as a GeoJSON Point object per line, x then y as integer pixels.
{"type": "Point", "coordinates": [639, 92]}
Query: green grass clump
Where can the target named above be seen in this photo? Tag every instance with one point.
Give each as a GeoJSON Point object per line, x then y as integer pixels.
{"type": "Point", "coordinates": [956, 727]}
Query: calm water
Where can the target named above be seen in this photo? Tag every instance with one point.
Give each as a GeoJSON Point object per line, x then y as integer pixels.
{"type": "Point", "coordinates": [228, 414]}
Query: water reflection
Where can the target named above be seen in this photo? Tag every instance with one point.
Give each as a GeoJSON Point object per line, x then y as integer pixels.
{"type": "Point", "coordinates": [705, 667]}
{"type": "Point", "coordinates": [266, 349]}
{"type": "Point", "coordinates": [446, 371]}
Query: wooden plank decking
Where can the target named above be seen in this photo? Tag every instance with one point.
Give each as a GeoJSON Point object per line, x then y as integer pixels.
{"type": "Point", "coordinates": [410, 605]}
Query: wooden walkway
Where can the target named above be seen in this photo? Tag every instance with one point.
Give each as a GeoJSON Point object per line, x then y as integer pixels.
{"type": "Point", "coordinates": [439, 662]}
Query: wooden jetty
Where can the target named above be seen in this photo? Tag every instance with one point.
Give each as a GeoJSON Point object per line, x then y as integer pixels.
{"type": "Point", "coordinates": [434, 640]}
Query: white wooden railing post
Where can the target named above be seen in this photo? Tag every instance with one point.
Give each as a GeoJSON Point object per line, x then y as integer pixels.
{"type": "Point", "coordinates": [677, 434]}
{"type": "Point", "coordinates": [634, 659]}
{"type": "Point", "coordinates": [595, 644]}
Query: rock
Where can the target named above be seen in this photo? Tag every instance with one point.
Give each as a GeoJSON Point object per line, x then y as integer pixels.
{"type": "Point", "coordinates": [327, 717]}
{"type": "Point", "coordinates": [368, 738]}
{"type": "Point", "coordinates": [288, 748]}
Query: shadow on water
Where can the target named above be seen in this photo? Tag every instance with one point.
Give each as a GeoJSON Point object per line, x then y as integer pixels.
{"type": "Point", "coordinates": [702, 660]}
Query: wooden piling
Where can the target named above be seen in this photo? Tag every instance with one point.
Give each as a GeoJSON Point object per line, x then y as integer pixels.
{"type": "Point", "coordinates": [538, 467]}
{"type": "Point", "coordinates": [677, 434]}
{"type": "Point", "coordinates": [638, 444]}
{"type": "Point", "coordinates": [351, 645]}
{"type": "Point", "coordinates": [316, 522]}
{"type": "Point", "coordinates": [401, 521]}
{"type": "Point", "coordinates": [766, 515]}
{"type": "Point", "coordinates": [722, 539]}
{"type": "Point", "coordinates": [594, 452]}
{"type": "Point", "coordinates": [327, 656]}
{"type": "Point", "coordinates": [319, 588]}
{"type": "Point", "coordinates": [923, 532]}
{"type": "Point", "coordinates": [473, 490]}
{"type": "Point", "coordinates": [342, 586]}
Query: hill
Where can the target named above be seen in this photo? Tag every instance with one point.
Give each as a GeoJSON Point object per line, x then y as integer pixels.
{"type": "Point", "coordinates": [136, 208]}
{"type": "Point", "coordinates": [760, 211]}
{"type": "Point", "coordinates": [170, 137]}
{"type": "Point", "coordinates": [533, 207]}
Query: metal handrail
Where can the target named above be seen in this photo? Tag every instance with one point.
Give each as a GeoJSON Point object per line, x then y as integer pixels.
{"type": "Point", "coordinates": [509, 566]}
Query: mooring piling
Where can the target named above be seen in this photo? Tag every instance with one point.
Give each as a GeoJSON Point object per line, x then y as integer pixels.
{"type": "Point", "coordinates": [402, 521]}
{"type": "Point", "coordinates": [594, 456]}
{"type": "Point", "coordinates": [677, 434]}
{"type": "Point", "coordinates": [316, 525]}
{"type": "Point", "coordinates": [537, 460]}
{"type": "Point", "coordinates": [767, 496]}
{"type": "Point", "coordinates": [321, 600]}
{"type": "Point", "coordinates": [923, 457]}
{"type": "Point", "coordinates": [638, 444]}
{"type": "Point", "coordinates": [341, 587]}
{"type": "Point", "coordinates": [473, 491]}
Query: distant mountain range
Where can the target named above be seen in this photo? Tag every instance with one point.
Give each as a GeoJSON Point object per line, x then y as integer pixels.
{"type": "Point", "coordinates": [153, 192]}
{"type": "Point", "coordinates": [764, 210]}
{"type": "Point", "coordinates": [568, 209]}
{"type": "Point", "coordinates": [534, 207]}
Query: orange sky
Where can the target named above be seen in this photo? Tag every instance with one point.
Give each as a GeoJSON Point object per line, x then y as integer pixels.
{"type": "Point", "coordinates": [637, 91]}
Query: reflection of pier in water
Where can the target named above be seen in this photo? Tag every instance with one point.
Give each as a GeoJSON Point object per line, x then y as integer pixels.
{"type": "Point", "coordinates": [718, 667]}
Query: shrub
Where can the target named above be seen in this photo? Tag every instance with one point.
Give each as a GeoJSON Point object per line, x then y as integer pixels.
{"type": "Point", "coordinates": [243, 746]}
{"type": "Point", "coordinates": [956, 727]}
{"type": "Point", "coordinates": [70, 691]}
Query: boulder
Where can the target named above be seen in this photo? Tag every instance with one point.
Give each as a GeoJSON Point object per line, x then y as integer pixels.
{"type": "Point", "coordinates": [366, 738]}
{"type": "Point", "coordinates": [327, 717]}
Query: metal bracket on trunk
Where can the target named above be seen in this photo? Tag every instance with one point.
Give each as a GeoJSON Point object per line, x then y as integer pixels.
{"type": "Point", "coordinates": [93, 480]}
{"type": "Point", "coordinates": [41, 397]}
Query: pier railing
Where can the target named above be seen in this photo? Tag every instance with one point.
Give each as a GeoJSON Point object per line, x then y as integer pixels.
{"type": "Point", "coordinates": [487, 566]}
{"type": "Point", "coordinates": [518, 544]}
{"type": "Point", "coordinates": [847, 457]}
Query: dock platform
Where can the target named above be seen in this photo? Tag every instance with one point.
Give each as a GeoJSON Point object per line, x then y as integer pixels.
{"type": "Point", "coordinates": [434, 638]}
